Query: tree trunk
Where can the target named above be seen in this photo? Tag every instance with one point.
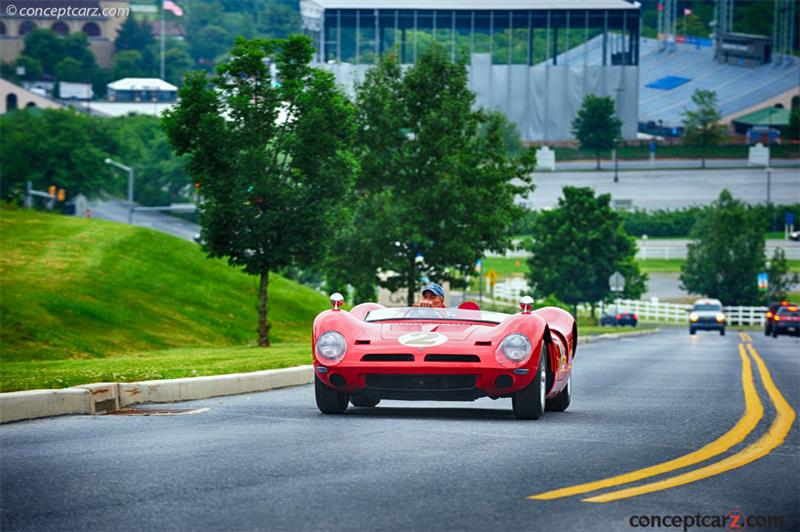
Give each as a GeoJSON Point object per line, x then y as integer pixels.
{"type": "Point", "coordinates": [598, 160]}
{"type": "Point", "coordinates": [593, 307]}
{"type": "Point", "coordinates": [412, 280]}
{"type": "Point", "coordinates": [263, 298]}
{"type": "Point", "coordinates": [703, 156]}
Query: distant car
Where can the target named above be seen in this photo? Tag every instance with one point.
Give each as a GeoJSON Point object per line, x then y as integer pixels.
{"type": "Point", "coordinates": [794, 235]}
{"type": "Point", "coordinates": [443, 354]}
{"type": "Point", "coordinates": [787, 321]}
{"type": "Point", "coordinates": [619, 318]}
{"type": "Point", "coordinates": [707, 315]}
{"type": "Point", "coordinates": [771, 312]}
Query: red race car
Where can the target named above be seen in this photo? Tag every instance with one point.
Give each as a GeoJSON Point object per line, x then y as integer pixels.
{"type": "Point", "coordinates": [443, 354]}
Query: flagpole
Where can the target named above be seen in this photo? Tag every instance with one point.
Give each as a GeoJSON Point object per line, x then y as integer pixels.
{"type": "Point", "coordinates": [162, 39]}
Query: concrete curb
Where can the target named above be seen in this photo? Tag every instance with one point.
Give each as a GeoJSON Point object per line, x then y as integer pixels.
{"type": "Point", "coordinates": [32, 404]}
{"type": "Point", "coordinates": [615, 336]}
{"type": "Point", "coordinates": [103, 397]}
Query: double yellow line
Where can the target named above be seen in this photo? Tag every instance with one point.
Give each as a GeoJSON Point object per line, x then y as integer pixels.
{"type": "Point", "coordinates": [753, 413]}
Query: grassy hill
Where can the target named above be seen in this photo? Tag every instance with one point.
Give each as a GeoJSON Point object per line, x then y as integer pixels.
{"type": "Point", "coordinates": [88, 300]}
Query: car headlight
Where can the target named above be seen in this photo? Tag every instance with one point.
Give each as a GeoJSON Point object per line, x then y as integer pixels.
{"type": "Point", "coordinates": [720, 317]}
{"type": "Point", "coordinates": [331, 347]}
{"type": "Point", "coordinates": [693, 316]}
{"type": "Point", "coordinates": [514, 350]}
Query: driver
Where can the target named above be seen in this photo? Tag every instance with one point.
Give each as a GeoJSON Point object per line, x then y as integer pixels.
{"type": "Point", "coordinates": [432, 296]}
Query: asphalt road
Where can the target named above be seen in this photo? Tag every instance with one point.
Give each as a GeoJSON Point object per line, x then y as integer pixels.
{"type": "Point", "coordinates": [271, 461]}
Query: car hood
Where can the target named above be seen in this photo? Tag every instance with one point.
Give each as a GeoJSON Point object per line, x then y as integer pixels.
{"type": "Point", "coordinates": [453, 331]}
{"type": "Point", "coordinates": [707, 313]}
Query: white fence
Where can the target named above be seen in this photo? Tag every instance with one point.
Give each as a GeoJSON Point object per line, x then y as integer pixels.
{"type": "Point", "coordinates": [679, 313]}
{"type": "Point", "coordinates": [512, 289]}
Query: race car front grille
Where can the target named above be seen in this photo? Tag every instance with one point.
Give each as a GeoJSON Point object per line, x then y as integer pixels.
{"type": "Point", "coordinates": [380, 357]}
{"type": "Point", "coordinates": [421, 382]}
{"type": "Point", "coordinates": [452, 358]}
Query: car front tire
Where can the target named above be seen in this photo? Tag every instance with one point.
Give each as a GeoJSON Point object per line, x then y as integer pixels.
{"type": "Point", "coordinates": [691, 330]}
{"type": "Point", "coordinates": [329, 400]}
{"type": "Point", "coordinates": [365, 402]}
{"type": "Point", "coordinates": [722, 332]}
{"type": "Point", "coordinates": [529, 402]}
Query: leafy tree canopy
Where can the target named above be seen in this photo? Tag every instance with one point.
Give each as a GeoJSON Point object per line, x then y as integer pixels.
{"type": "Point", "coordinates": [436, 187]}
{"type": "Point", "coordinates": [726, 254]}
{"type": "Point", "coordinates": [596, 126]}
{"type": "Point", "coordinates": [272, 160]}
{"type": "Point", "coordinates": [577, 246]}
{"type": "Point", "coordinates": [781, 280]}
{"type": "Point", "coordinates": [702, 124]}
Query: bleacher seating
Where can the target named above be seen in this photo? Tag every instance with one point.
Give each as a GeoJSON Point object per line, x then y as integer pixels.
{"type": "Point", "coordinates": [737, 88]}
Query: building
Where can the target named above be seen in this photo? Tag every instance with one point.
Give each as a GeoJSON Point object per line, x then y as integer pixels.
{"type": "Point", "coordinates": [12, 97]}
{"type": "Point", "coordinates": [142, 90]}
{"type": "Point", "coordinates": [98, 19]}
{"type": "Point", "coordinates": [518, 52]}
{"type": "Point", "coordinates": [741, 49]}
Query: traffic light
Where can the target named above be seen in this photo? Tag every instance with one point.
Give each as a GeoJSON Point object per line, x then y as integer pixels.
{"type": "Point", "coordinates": [52, 191]}
{"type": "Point", "coordinates": [62, 194]}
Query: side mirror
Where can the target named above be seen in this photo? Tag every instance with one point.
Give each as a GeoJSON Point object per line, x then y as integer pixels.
{"type": "Point", "coordinates": [336, 300]}
{"type": "Point", "coordinates": [526, 304]}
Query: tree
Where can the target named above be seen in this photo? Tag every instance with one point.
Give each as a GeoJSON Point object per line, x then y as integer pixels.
{"type": "Point", "coordinates": [433, 193]}
{"type": "Point", "coordinates": [794, 123]}
{"type": "Point", "coordinates": [781, 280]}
{"type": "Point", "coordinates": [33, 68]}
{"type": "Point", "coordinates": [53, 147]}
{"type": "Point", "coordinates": [596, 126]}
{"type": "Point", "coordinates": [69, 69]}
{"type": "Point", "coordinates": [726, 253]}
{"type": "Point", "coordinates": [50, 50]}
{"type": "Point", "coordinates": [577, 246]}
{"type": "Point", "coordinates": [133, 35]}
{"type": "Point", "coordinates": [702, 125]}
{"type": "Point", "coordinates": [270, 187]}
{"type": "Point", "coordinates": [128, 63]}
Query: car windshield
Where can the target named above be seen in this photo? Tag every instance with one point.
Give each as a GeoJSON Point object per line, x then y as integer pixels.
{"type": "Point", "coordinates": [707, 307]}
{"type": "Point", "coordinates": [434, 314]}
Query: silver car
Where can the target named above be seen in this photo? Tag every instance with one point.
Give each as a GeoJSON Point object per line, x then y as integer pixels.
{"type": "Point", "coordinates": [707, 315]}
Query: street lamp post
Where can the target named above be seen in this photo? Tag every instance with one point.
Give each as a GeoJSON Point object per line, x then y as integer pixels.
{"type": "Point", "coordinates": [130, 186]}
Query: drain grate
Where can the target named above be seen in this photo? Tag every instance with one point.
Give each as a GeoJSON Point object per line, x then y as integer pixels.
{"type": "Point", "coordinates": [158, 411]}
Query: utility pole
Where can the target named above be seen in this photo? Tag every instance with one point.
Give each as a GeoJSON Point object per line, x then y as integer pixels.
{"type": "Point", "coordinates": [130, 186]}
{"type": "Point", "coordinates": [769, 185]}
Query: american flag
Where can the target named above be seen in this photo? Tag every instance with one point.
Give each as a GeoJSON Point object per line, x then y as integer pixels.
{"type": "Point", "coordinates": [172, 7]}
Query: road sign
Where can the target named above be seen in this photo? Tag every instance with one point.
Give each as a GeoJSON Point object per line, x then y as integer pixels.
{"type": "Point", "coordinates": [492, 276]}
{"type": "Point", "coordinates": [789, 218]}
{"type": "Point", "coordinates": [616, 282]}
{"type": "Point", "coordinates": [763, 282]}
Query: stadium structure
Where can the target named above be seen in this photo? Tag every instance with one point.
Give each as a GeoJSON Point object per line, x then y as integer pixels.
{"type": "Point", "coordinates": [526, 58]}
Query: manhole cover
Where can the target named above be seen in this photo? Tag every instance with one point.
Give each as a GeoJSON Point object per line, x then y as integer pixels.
{"type": "Point", "coordinates": [158, 411]}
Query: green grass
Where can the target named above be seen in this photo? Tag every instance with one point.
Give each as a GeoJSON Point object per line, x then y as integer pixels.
{"type": "Point", "coordinates": [726, 151]}
{"type": "Point", "coordinates": [149, 365]}
{"type": "Point", "coordinates": [84, 299]}
{"type": "Point", "coordinates": [518, 267]}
